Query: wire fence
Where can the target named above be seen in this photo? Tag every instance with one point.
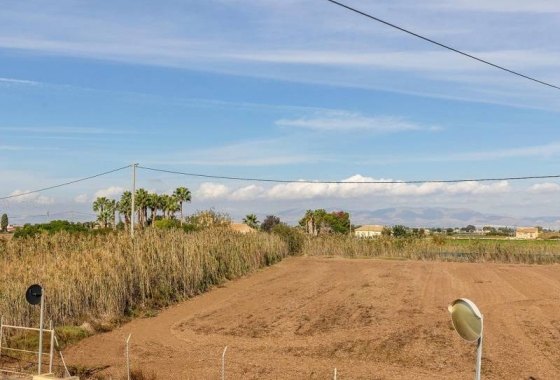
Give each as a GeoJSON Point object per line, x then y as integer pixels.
{"type": "Point", "coordinates": [19, 357]}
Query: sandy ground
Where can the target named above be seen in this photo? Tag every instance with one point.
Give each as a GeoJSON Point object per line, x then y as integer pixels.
{"type": "Point", "coordinates": [371, 319]}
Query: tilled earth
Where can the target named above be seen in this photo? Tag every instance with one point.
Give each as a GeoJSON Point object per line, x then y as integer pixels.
{"type": "Point", "coordinates": [369, 319]}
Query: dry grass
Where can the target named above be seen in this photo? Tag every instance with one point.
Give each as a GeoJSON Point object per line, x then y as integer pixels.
{"type": "Point", "coordinates": [106, 279]}
{"type": "Point", "coordinates": [434, 249]}
{"type": "Point", "coordinates": [103, 279]}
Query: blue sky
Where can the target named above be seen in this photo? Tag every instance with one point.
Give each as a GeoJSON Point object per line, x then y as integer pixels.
{"type": "Point", "coordinates": [288, 90]}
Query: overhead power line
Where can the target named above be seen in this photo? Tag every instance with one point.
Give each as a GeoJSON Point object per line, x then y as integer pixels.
{"type": "Point", "coordinates": [442, 45]}
{"type": "Point", "coordinates": [44, 215]}
{"type": "Point", "coordinates": [348, 182]}
{"type": "Point", "coordinates": [63, 184]}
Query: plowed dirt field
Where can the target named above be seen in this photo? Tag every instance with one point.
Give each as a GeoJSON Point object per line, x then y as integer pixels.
{"type": "Point", "coordinates": [370, 319]}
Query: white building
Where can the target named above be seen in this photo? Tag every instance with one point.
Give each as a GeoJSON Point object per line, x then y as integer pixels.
{"type": "Point", "coordinates": [369, 231]}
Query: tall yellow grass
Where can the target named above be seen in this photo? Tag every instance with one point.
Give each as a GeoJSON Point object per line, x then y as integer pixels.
{"type": "Point", "coordinates": [433, 249]}
{"type": "Point", "coordinates": [98, 278]}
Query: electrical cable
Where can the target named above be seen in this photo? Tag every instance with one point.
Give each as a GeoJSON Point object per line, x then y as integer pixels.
{"type": "Point", "coordinates": [64, 184]}
{"type": "Point", "coordinates": [441, 45]}
{"type": "Point", "coordinates": [350, 182]}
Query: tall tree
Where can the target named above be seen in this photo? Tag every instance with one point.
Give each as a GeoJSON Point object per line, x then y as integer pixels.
{"type": "Point", "coordinates": [100, 206]}
{"type": "Point", "coordinates": [269, 222]}
{"type": "Point", "coordinates": [252, 221]}
{"type": "Point", "coordinates": [399, 231]}
{"type": "Point", "coordinates": [4, 222]}
{"type": "Point", "coordinates": [141, 200]}
{"type": "Point", "coordinates": [112, 211]}
{"type": "Point", "coordinates": [308, 222]}
{"type": "Point", "coordinates": [154, 204]}
{"type": "Point", "coordinates": [182, 194]}
{"type": "Point", "coordinates": [170, 206]}
{"type": "Point", "coordinates": [125, 207]}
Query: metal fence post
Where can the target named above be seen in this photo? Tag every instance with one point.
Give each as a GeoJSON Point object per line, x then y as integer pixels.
{"type": "Point", "coordinates": [41, 334]}
{"type": "Point", "coordinates": [1, 323]}
{"type": "Point", "coordinates": [224, 364]}
{"type": "Point", "coordinates": [128, 357]}
{"type": "Point", "coordinates": [52, 348]}
{"type": "Point", "coordinates": [62, 357]}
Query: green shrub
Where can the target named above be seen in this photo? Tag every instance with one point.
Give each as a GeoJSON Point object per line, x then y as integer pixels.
{"type": "Point", "coordinates": [167, 224]}
{"type": "Point", "coordinates": [55, 226]}
{"type": "Point", "coordinates": [293, 237]}
{"type": "Point", "coordinates": [190, 227]}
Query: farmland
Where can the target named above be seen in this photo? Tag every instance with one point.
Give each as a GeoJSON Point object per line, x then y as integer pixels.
{"type": "Point", "coordinates": [371, 319]}
{"type": "Point", "coordinates": [371, 308]}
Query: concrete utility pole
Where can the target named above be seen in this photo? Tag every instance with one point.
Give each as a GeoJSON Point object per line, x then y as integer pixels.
{"type": "Point", "coordinates": [132, 201]}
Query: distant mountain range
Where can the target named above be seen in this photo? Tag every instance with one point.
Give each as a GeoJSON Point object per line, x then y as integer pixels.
{"type": "Point", "coordinates": [434, 217]}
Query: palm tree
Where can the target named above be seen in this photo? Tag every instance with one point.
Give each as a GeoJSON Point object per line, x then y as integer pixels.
{"type": "Point", "coordinates": [251, 221]}
{"type": "Point", "coordinates": [182, 194]}
{"type": "Point", "coordinates": [141, 204]}
{"type": "Point", "coordinates": [169, 205]}
{"type": "Point", "coordinates": [154, 204]}
{"type": "Point", "coordinates": [112, 210]}
{"type": "Point", "coordinates": [125, 206]}
{"type": "Point", "coordinates": [100, 206]}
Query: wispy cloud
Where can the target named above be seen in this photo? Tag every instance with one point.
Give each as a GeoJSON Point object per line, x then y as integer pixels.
{"type": "Point", "coordinates": [18, 148]}
{"type": "Point", "coordinates": [345, 121]}
{"type": "Point", "coordinates": [499, 6]}
{"type": "Point", "coordinates": [277, 42]}
{"type": "Point", "coordinates": [62, 130]}
{"type": "Point", "coordinates": [536, 151]}
{"type": "Point", "coordinates": [423, 60]}
{"type": "Point", "coordinates": [19, 81]}
{"type": "Point", "coordinates": [268, 152]}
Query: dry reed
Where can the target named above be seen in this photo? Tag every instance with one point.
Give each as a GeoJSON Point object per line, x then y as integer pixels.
{"type": "Point", "coordinates": [99, 279]}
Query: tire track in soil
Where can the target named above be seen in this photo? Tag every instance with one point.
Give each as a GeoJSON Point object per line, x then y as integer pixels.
{"type": "Point", "coordinates": [372, 319]}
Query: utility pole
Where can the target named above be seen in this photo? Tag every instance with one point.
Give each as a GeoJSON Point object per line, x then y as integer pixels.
{"type": "Point", "coordinates": [132, 205]}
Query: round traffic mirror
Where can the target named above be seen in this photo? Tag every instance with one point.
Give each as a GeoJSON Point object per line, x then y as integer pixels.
{"type": "Point", "coordinates": [467, 319]}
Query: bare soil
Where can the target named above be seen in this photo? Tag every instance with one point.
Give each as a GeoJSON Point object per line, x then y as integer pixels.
{"type": "Point", "coordinates": [371, 319]}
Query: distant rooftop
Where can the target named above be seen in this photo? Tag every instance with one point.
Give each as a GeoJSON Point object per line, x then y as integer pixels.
{"type": "Point", "coordinates": [371, 227]}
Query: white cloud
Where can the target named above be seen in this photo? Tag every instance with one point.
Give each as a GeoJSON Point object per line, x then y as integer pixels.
{"type": "Point", "coordinates": [345, 121]}
{"type": "Point", "coordinates": [356, 187]}
{"type": "Point", "coordinates": [540, 188]}
{"type": "Point", "coordinates": [110, 192]}
{"type": "Point", "coordinates": [210, 190]}
{"type": "Point", "coordinates": [82, 198]}
{"type": "Point", "coordinates": [299, 190]}
{"type": "Point", "coordinates": [247, 193]}
{"type": "Point", "coordinates": [21, 196]}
